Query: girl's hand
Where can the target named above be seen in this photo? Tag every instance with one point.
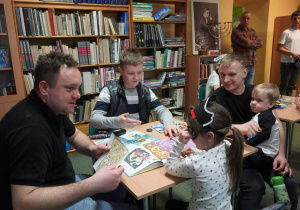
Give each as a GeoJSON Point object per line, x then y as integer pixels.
{"type": "Point", "coordinates": [184, 136]}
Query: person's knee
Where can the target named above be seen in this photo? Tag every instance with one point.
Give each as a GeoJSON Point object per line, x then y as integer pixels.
{"type": "Point", "coordinates": [252, 184]}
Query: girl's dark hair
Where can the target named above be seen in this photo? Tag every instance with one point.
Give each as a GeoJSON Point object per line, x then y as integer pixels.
{"type": "Point", "coordinates": [48, 67]}
{"type": "Point", "coordinates": [220, 127]}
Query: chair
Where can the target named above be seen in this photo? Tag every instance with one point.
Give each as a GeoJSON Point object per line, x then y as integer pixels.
{"type": "Point", "coordinates": [201, 92]}
{"type": "Point", "coordinates": [92, 131]}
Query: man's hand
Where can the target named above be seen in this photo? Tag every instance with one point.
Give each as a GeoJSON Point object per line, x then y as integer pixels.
{"type": "Point", "coordinates": [280, 164]}
{"type": "Point", "coordinates": [99, 149]}
{"type": "Point", "coordinates": [171, 130]}
{"type": "Point", "coordinates": [295, 56]}
{"type": "Point", "coordinates": [249, 128]}
{"type": "Point", "coordinates": [106, 179]}
{"type": "Point", "coordinates": [126, 122]}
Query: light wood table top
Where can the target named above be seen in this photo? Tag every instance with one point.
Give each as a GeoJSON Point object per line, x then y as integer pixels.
{"type": "Point", "coordinates": [157, 180]}
{"type": "Point", "coordinates": [289, 113]}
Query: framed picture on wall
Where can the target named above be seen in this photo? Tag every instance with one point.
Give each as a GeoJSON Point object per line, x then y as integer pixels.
{"type": "Point", "coordinates": [205, 19]}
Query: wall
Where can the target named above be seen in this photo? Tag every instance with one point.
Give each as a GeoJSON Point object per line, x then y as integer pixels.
{"type": "Point", "coordinates": [277, 9]}
{"type": "Point", "coordinates": [259, 14]}
{"type": "Point", "coordinates": [263, 16]}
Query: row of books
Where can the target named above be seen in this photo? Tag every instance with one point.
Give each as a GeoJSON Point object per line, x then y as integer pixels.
{"type": "Point", "coordinates": [112, 48]}
{"type": "Point", "coordinates": [169, 57]}
{"type": "Point", "coordinates": [38, 22]}
{"type": "Point", "coordinates": [119, 2]}
{"type": "Point", "coordinates": [90, 82]}
{"type": "Point", "coordinates": [171, 79]}
{"type": "Point", "coordinates": [206, 69]}
{"type": "Point", "coordinates": [85, 52]}
{"type": "Point", "coordinates": [148, 35]}
{"type": "Point", "coordinates": [29, 82]}
{"type": "Point", "coordinates": [83, 110]}
{"type": "Point", "coordinates": [4, 58]}
{"type": "Point", "coordinates": [177, 95]}
{"type": "Point", "coordinates": [148, 62]}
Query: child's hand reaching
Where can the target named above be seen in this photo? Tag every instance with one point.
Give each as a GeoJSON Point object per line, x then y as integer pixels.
{"type": "Point", "coordinates": [184, 136]}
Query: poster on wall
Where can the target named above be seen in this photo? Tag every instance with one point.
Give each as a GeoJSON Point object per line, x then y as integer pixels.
{"type": "Point", "coordinates": [205, 19]}
{"type": "Point", "coordinates": [236, 14]}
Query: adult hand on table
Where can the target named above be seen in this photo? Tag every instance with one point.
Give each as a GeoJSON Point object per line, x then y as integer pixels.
{"type": "Point", "coordinates": [171, 130]}
{"type": "Point", "coordinates": [127, 123]}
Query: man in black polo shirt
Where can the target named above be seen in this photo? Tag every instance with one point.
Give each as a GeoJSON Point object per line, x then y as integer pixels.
{"type": "Point", "coordinates": [235, 96]}
{"type": "Point", "coordinates": [35, 171]}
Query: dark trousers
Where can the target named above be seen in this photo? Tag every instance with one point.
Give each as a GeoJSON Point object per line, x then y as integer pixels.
{"type": "Point", "coordinates": [288, 77]}
{"type": "Point", "coordinates": [257, 169]}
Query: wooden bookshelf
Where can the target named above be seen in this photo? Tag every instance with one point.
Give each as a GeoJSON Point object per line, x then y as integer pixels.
{"type": "Point", "coordinates": [75, 32]}
{"type": "Point", "coordinates": [169, 29]}
{"type": "Point", "coordinates": [194, 77]}
{"type": "Point", "coordinates": [11, 72]}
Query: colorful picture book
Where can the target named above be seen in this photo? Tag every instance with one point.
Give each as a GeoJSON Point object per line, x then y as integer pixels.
{"type": "Point", "coordinates": [166, 144]}
{"type": "Point", "coordinates": [160, 127]}
{"type": "Point", "coordinates": [134, 158]}
{"type": "Point", "coordinates": [136, 137]}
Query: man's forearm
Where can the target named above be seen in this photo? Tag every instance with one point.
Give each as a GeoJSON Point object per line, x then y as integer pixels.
{"type": "Point", "coordinates": [82, 143]}
{"type": "Point", "coordinates": [99, 121]}
{"type": "Point", "coordinates": [58, 197]}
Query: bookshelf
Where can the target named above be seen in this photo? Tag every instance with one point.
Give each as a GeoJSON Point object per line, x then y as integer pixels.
{"type": "Point", "coordinates": [152, 39]}
{"type": "Point", "coordinates": [91, 33]}
{"type": "Point", "coordinates": [198, 70]}
{"type": "Point", "coordinates": [11, 85]}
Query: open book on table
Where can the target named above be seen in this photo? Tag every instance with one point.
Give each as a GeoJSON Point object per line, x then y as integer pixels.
{"type": "Point", "coordinates": [135, 158]}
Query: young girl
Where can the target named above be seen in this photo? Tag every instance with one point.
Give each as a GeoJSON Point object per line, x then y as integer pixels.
{"type": "Point", "coordinates": [215, 166]}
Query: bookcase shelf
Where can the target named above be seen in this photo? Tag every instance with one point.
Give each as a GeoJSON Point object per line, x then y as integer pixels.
{"type": "Point", "coordinates": [11, 86]}
{"type": "Point", "coordinates": [72, 39]}
{"type": "Point", "coordinates": [162, 30]}
{"type": "Point", "coordinates": [193, 75]}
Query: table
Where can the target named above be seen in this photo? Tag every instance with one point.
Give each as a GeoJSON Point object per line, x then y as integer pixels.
{"type": "Point", "coordinates": [143, 185]}
{"type": "Point", "coordinates": [290, 115]}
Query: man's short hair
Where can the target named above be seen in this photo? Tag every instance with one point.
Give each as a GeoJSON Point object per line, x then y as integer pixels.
{"type": "Point", "coordinates": [268, 88]}
{"type": "Point", "coordinates": [131, 57]}
{"type": "Point", "coordinates": [48, 66]}
{"type": "Point", "coordinates": [233, 57]}
{"type": "Point", "coordinates": [296, 13]}
{"type": "Point", "coordinates": [245, 13]}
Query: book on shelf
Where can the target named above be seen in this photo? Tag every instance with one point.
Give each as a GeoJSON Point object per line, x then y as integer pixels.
{"type": "Point", "coordinates": [178, 96]}
{"type": "Point", "coordinates": [134, 155]}
{"type": "Point", "coordinates": [144, 18]}
{"type": "Point", "coordinates": [161, 14]}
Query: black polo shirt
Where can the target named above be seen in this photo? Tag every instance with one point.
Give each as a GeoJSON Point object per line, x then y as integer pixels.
{"type": "Point", "coordinates": [32, 147]}
{"type": "Point", "coordinates": [237, 105]}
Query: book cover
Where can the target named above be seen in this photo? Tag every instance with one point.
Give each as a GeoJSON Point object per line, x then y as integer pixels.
{"type": "Point", "coordinates": [162, 13]}
{"type": "Point", "coordinates": [135, 159]}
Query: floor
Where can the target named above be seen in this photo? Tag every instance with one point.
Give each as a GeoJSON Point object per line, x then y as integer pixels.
{"type": "Point", "coordinates": [182, 191]}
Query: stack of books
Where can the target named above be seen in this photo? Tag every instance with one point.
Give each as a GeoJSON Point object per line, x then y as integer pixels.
{"type": "Point", "coordinates": [142, 11]}
{"type": "Point", "coordinates": [174, 79]}
{"type": "Point", "coordinates": [180, 17]}
{"type": "Point", "coordinates": [175, 41]}
{"type": "Point", "coordinates": [153, 83]}
{"type": "Point", "coordinates": [148, 62]}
